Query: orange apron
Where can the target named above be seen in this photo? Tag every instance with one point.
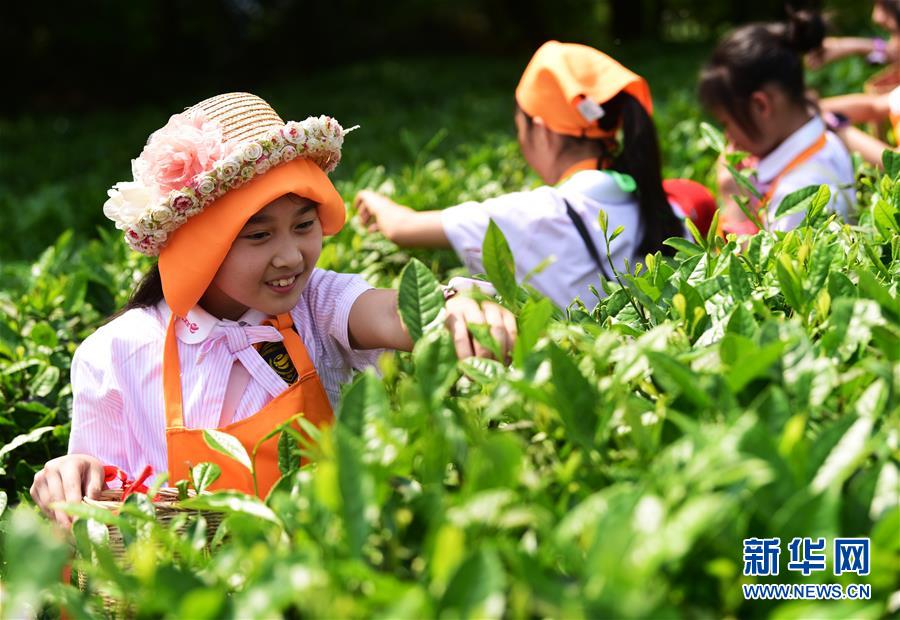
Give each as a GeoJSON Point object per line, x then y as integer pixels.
{"type": "Point", "coordinates": [743, 226]}
{"type": "Point", "coordinates": [186, 446]}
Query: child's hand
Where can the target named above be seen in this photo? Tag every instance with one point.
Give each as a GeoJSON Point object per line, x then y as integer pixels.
{"type": "Point", "coordinates": [463, 311]}
{"type": "Point", "coordinates": [67, 479]}
{"type": "Point", "coordinates": [374, 209]}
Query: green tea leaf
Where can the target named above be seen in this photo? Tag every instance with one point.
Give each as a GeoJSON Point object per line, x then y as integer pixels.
{"type": "Point", "coordinates": [677, 378]}
{"type": "Point", "coordinates": [45, 381]}
{"type": "Point", "coordinates": [42, 334]}
{"type": "Point", "coordinates": [885, 218]}
{"type": "Point", "coordinates": [713, 137]}
{"type": "Point", "coordinates": [435, 361]}
{"type": "Point", "coordinates": [870, 287]}
{"type": "Point", "coordinates": [575, 398]}
{"type": "Point", "coordinates": [420, 298]}
{"type": "Point", "coordinates": [364, 401]}
{"type": "Point", "coordinates": [232, 502]}
{"type": "Point", "coordinates": [741, 286]}
{"type": "Point", "coordinates": [287, 458]}
{"type": "Point", "coordinates": [499, 264]}
{"type": "Point", "coordinates": [203, 475]}
{"type": "Point", "coordinates": [799, 200]}
{"type": "Point", "coordinates": [683, 245]}
{"type": "Point", "coordinates": [753, 366]}
{"type": "Point", "coordinates": [229, 445]}
{"type": "Point", "coordinates": [476, 589]}
{"type": "Point", "coordinates": [532, 324]}
{"type": "Point", "coordinates": [21, 440]}
{"type": "Point", "coordinates": [891, 161]}
{"type": "Point", "coordinates": [791, 287]}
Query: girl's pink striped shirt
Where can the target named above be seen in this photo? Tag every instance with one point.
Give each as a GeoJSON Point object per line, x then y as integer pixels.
{"type": "Point", "coordinates": [117, 411]}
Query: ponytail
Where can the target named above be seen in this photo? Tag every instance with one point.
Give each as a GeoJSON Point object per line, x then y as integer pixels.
{"type": "Point", "coordinates": [639, 158]}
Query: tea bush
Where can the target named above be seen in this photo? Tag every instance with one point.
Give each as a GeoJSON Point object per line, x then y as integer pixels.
{"type": "Point", "coordinates": [613, 469]}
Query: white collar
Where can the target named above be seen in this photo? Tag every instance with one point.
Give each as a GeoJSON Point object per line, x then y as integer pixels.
{"type": "Point", "coordinates": [596, 185]}
{"type": "Point", "coordinates": [775, 162]}
{"type": "Point", "coordinates": [199, 324]}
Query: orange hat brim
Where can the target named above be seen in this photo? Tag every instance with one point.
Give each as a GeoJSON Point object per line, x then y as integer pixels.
{"type": "Point", "coordinates": [560, 74]}
{"type": "Point", "coordinates": [196, 250]}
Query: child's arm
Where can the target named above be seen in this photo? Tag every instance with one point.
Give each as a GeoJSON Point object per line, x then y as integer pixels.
{"type": "Point", "coordinates": [68, 478]}
{"type": "Point", "coordinates": [870, 147]}
{"type": "Point", "coordinates": [858, 108]}
{"type": "Point", "coordinates": [835, 48]}
{"type": "Point", "coordinates": [404, 226]}
{"type": "Point", "coordinates": [375, 323]}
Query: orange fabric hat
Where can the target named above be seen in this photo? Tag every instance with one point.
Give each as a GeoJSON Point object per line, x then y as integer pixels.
{"type": "Point", "coordinates": [194, 253]}
{"type": "Point", "coordinates": [566, 84]}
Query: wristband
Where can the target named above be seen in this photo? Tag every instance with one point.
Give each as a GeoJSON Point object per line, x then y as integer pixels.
{"type": "Point", "coordinates": [878, 55]}
{"type": "Point", "coordinates": [835, 121]}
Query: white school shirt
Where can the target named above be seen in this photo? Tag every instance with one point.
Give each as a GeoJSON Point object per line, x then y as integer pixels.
{"type": "Point", "coordinates": [118, 412]}
{"type": "Point", "coordinates": [894, 105]}
{"type": "Point", "coordinates": [536, 226]}
{"type": "Point", "coordinates": [831, 166]}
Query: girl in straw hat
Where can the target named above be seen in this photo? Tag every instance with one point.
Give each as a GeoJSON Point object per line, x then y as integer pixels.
{"type": "Point", "coordinates": [235, 328]}
{"type": "Point", "coordinates": [754, 85]}
{"type": "Point", "coordinates": [584, 126]}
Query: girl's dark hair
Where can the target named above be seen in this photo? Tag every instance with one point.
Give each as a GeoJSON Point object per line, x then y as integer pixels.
{"type": "Point", "coordinates": [756, 55]}
{"type": "Point", "coordinates": [638, 156]}
{"type": "Point", "coordinates": [148, 293]}
{"type": "Point", "coordinates": [892, 7]}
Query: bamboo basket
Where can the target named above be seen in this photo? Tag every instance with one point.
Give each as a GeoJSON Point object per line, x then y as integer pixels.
{"type": "Point", "coordinates": [167, 509]}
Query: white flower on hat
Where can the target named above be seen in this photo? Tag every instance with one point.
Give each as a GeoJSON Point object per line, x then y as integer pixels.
{"type": "Point", "coordinates": [205, 184]}
{"type": "Point", "coordinates": [251, 151]}
{"type": "Point", "coordinates": [229, 167]}
{"type": "Point", "coordinates": [127, 204]}
{"type": "Point", "coordinates": [188, 164]}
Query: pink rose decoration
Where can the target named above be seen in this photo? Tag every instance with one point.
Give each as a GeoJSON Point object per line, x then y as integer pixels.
{"type": "Point", "coordinates": [188, 145]}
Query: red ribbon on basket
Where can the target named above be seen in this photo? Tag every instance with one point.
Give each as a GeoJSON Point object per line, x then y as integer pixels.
{"type": "Point", "coordinates": [111, 472]}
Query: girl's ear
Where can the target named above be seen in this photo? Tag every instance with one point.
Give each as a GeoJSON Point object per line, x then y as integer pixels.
{"type": "Point", "coordinates": [761, 104]}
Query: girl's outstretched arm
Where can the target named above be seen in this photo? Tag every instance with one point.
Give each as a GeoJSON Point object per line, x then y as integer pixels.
{"type": "Point", "coordinates": [375, 324]}
{"type": "Point", "coordinates": [870, 147]}
{"type": "Point", "coordinates": [859, 108]}
{"type": "Point", "coordinates": [835, 48]}
{"type": "Point", "coordinates": [404, 226]}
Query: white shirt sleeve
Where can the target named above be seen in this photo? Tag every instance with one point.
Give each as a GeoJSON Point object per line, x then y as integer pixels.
{"type": "Point", "coordinates": [98, 419]}
{"type": "Point", "coordinates": [522, 216]}
{"type": "Point", "coordinates": [894, 101]}
{"type": "Point", "coordinates": [466, 225]}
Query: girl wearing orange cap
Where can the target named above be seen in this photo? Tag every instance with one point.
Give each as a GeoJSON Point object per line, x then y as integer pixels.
{"type": "Point", "coordinates": [754, 85]}
{"type": "Point", "coordinates": [584, 126]}
{"type": "Point", "coordinates": [235, 328]}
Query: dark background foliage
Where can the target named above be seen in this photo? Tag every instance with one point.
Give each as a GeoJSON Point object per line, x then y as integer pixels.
{"type": "Point", "coordinates": [87, 54]}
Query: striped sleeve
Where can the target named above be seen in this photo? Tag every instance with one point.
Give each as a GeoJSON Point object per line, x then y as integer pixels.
{"type": "Point", "coordinates": [98, 419]}
{"type": "Point", "coordinates": [335, 294]}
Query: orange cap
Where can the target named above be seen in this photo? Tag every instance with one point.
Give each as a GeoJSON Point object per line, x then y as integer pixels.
{"type": "Point", "coordinates": [195, 251]}
{"type": "Point", "coordinates": [565, 85]}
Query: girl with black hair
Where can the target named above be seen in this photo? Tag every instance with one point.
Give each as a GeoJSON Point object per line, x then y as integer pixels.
{"type": "Point", "coordinates": [878, 51]}
{"type": "Point", "coordinates": [584, 126]}
{"type": "Point", "coordinates": [754, 85]}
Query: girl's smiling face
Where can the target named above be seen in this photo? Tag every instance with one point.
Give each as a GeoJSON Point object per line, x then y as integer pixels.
{"type": "Point", "coordinates": [269, 262]}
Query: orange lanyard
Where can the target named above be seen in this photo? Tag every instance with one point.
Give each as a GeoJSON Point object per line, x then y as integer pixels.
{"type": "Point", "coordinates": [814, 148]}
{"type": "Point", "coordinates": [585, 164]}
